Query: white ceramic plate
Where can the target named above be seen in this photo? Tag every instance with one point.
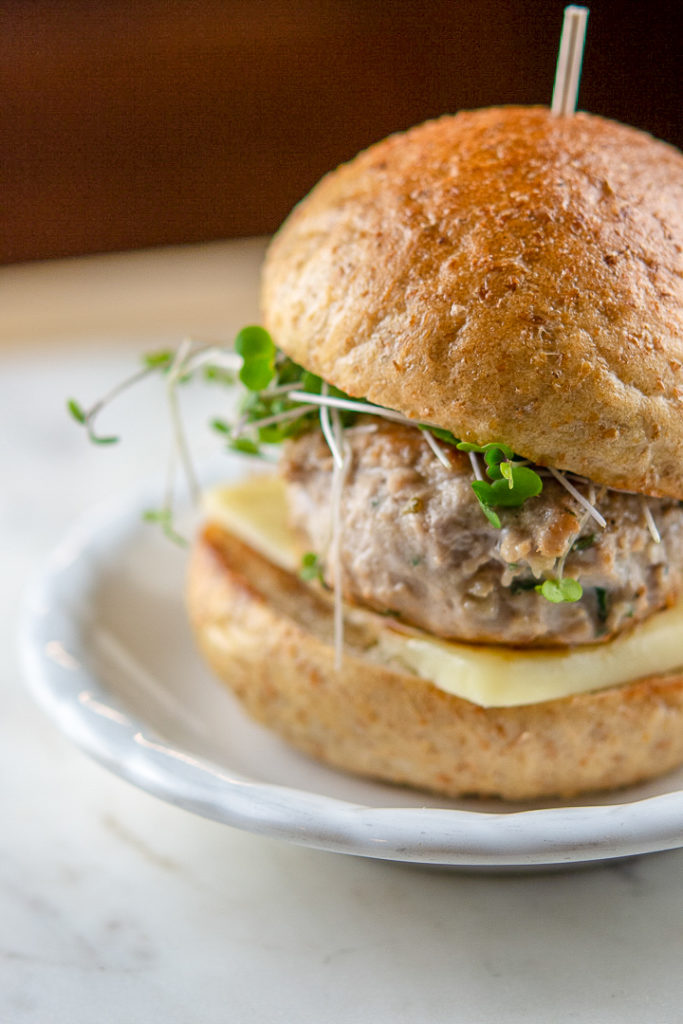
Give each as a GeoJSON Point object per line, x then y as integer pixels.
{"type": "Point", "coordinates": [109, 656]}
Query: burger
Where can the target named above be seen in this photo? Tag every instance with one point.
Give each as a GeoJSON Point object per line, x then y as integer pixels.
{"type": "Point", "coordinates": [466, 574]}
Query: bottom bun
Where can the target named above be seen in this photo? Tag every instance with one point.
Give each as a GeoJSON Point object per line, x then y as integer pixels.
{"type": "Point", "coordinates": [270, 638]}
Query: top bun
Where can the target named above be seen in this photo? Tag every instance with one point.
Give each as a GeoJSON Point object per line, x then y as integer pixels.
{"type": "Point", "coordinates": [507, 275]}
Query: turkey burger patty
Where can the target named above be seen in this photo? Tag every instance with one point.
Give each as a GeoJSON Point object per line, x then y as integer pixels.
{"type": "Point", "coordinates": [414, 544]}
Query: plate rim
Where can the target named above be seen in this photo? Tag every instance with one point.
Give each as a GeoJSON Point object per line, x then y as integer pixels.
{"type": "Point", "coordinates": [126, 745]}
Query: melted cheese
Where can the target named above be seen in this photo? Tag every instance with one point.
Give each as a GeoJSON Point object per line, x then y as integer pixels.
{"type": "Point", "coordinates": [255, 511]}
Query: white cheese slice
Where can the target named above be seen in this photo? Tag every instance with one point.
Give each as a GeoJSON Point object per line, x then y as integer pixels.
{"type": "Point", "coordinates": [255, 511]}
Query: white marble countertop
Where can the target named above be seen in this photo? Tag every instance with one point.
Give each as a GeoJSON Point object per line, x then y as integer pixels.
{"type": "Point", "coordinates": [117, 907]}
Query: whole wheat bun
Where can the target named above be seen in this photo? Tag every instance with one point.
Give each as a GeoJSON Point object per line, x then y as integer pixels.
{"type": "Point", "coordinates": [507, 275]}
{"type": "Point", "coordinates": [269, 637]}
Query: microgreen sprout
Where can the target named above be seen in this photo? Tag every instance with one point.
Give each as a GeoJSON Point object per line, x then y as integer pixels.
{"type": "Point", "coordinates": [221, 427]}
{"type": "Point", "coordinates": [505, 469]}
{"type": "Point", "coordinates": [76, 411]}
{"type": "Point", "coordinates": [282, 400]}
{"type": "Point", "coordinates": [177, 367]}
{"type": "Point", "coordinates": [431, 441]}
{"type": "Point", "coordinates": [258, 352]}
{"type": "Point", "coordinates": [569, 486]}
{"type": "Point", "coordinates": [521, 484]}
{"type": "Point", "coordinates": [164, 517]}
{"type": "Point", "coordinates": [338, 400]}
{"type": "Point", "coordinates": [327, 428]}
{"type": "Point", "coordinates": [177, 372]}
{"type": "Point", "coordinates": [650, 522]}
{"type": "Point", "coordinates": [513, 482]}
{"type": "Point", "coordinates": [483, 449]}
{"type": "Point", "coordinates": [245, 446]}
{"type": "Point", "coordinates": [442, 435]}
{"type": "Point", "coordinates": [559, 591]}
{"type": "Point", "coordinates": [311, 568]}
{"type": "Point", "coordinates": [338, 479]}
{"type": "Point", "coordinates": [161, 360]}
{"type": "Point", "coordinates": [86, 418]}
{"type": "Point", "coordinates": [219, 375]}
{"type": "Point", "coordinates": [492, 516]}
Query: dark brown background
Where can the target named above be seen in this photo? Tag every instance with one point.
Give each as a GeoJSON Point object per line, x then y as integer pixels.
{"type": "Point", "coordinates": [127, 124]}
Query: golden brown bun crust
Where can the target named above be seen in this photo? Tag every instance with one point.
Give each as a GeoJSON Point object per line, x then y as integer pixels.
{"type": "Point", "coordinates": [507, 275]}
{"type": "Point", "coordinates": [267, 635]}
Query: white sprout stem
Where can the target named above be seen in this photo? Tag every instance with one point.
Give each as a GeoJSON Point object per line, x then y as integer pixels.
{"type": "Point", "coordinates": [238, 428]}
{"type": "Point", "coordinates": [600, 520]}
{"type": "Point", "coordinates": [436, 447]}
{"type": "Point", "coordinates": [270, 421]}
{"type": "Point", "coordinates": [116, 391]}
{"type": "Point", "coordinates": [582, 522]}
{"type": "Point", "coordinates": [651, 524]}
{"type": "Point", "coordinates": [279, 389]}
{"type": "Point", "coordinates": [209, 353]}
{"type": "Point", "coordinates": [214, 354]}
{"type": "Point", "coordinates": [351, 406]}
{"type": "Point", "coordinates": [178, 368]}
{"type": "Point", "coordinates": [569, 58]}
{"type": "Point", "coordinates": [329, 433]}
{"type": "Point", "coordinates": [338, 477]}
{"type": "Point", "coordinates": [363, 428]}
{"type": "Point", "coordinates": [476, 469]}
{"type": "Point", "coordinates": [170, 482]}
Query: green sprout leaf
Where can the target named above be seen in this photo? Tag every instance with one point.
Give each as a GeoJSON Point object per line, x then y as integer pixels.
{"type": "Point", "coordinates": [255, 342]}
{"type": "Point", "coordinates": [276, 433]}
{"type": "Point", "coordinates": [76, 411]}
{"type": "Point", "coordinates": [85, 419]}
{"type": "Point", "coordinates": [263, 365]}
{"type": "Point", "coordinates": [511, 484]}
{"type": "Point", "coordinates": [521, 484]}
{"type": "Point", "coordinates": [310, 567]}
{"type": "Point", "coordinates": [506, 473]}
{"type": "Point", "coordinates": [257, 374]}
{"type": "Point", "coordinates": [244, 446]}
{"type": "Point", "coordinates": [258, 352]}
{"type": "Point", "coordinates": [96, 439]}
{"type": "Point", "coordinates": [164, 518]}
{"type": "Point", "coordinates": [161, 360]}
{"type": "Point", "coordinates": [483, 449]}
{"type": "Point", "coordinates": [311, 383]}
{"type": "Point", "coordinates": [219, 375]}
{"type": "Point", "coordinates": [492, 516]}
{"type": "Point", "coordinates": [495, 453]}
{"type": "Point", "coordinates": [559, 591]}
